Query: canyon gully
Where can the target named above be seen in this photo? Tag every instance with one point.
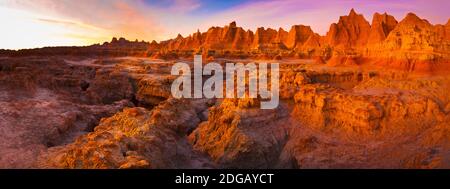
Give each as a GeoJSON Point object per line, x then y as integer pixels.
{"type": "Point", "coordinates": [236, 81]}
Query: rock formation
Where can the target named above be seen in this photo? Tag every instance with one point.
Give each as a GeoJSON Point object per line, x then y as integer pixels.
{"type": "Point", "coordinates": [355, 98]}
{"type": "Point", "coordinates": [413, 44]}
{"type": "Point", "coordinates": [297, 36]}
{"type": "Point", "coordinates": [134, 138]}
{"type": "Point", "coordinates": [382, 25]}
{"type": "Point", "coordinates": [351, 31]}
{"type": "Point", "coordinates": [118, 113]}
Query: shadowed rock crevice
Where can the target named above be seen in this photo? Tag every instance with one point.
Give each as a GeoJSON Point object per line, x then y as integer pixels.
{"type": "Point", "coordinates": [53, 101]}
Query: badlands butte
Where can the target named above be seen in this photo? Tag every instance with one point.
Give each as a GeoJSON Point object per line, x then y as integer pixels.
{"type": "Point", "coordinates": [365, 95]}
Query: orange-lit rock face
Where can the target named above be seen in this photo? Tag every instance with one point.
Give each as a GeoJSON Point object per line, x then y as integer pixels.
{"type": "Point", "coordinates": [413, 44]}
{"type": "Point", "coordinates": [355, 98]}
{"type": "Point", "coordinates": [413, 33]}
{"type": "Point", "coordinates": [382, 25]}
{"type": "Point", "coordinates": [134, 138]}
{"type": "Point", "coordinates": [378, 119]}
{"type": "Point", "coordinates": [351, 31]}
{"type": "Point", "coordinates": [297, 36]}
{"type": "Point", "coordinates": [229, 37]}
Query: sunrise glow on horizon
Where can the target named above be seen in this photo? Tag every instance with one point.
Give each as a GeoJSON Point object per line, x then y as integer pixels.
{"type": "Point", "coordinates": [31, 24]}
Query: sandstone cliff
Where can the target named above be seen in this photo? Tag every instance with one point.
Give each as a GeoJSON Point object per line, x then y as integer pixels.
{"type": "Point", "coordinates": [413, 44]}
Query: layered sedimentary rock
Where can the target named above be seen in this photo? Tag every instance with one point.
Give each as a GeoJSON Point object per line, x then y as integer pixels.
{"type": "Point", "coordinates": [328, 117]}
{"type": "Point", "coordinates": [236, 134]}
{"type": "Point", "coordinates": [265, 39]}
{"type": "Point", "coordinates": [233, 38]}
{"type": "Point", "coordinates": [351, 31]}
{"type": "Point", "coordinates": [343, 107]}
{"type": "Point", "coordinates": [229, 37]}
{"type": "Point", "coordinates": [298, 35]}
{"type": "Point", "coordinates": [135, 138]}
{"type": "Point", "coordinates": [413, 33]}
{"type": "Point", "coordinates": [115, 48]}
{"type": "Point", "coordinates": [46, 102]}
{"type": "Point", "coordinates": [50, 101]}
{"type": "Point", "coordinates": [413, 44]}
{"type": "Point", "coordinates": [382, 25]}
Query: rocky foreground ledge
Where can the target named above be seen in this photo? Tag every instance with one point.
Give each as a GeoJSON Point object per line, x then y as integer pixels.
{"type": "Point", "coordinates": [75, 112]}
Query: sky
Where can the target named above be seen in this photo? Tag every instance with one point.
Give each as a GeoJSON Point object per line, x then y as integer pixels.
{"type": "Point", "coordinates": [39, 23]}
